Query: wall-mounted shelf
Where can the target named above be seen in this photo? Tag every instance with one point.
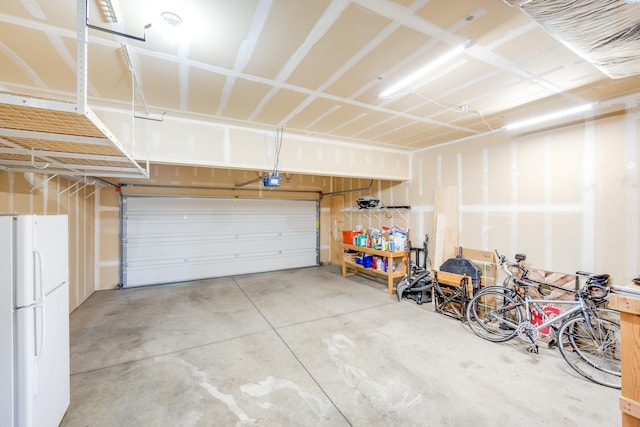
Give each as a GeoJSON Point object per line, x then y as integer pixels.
{"type": "Point", "coordinates": [380, 215]}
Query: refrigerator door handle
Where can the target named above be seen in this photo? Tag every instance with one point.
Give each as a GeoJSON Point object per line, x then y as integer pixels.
{"type": "Point", "coordinates": [42, 330]}
{"type": "Point", "coordinates": [40, 277]}
{"type": "Point", "coordinates": [40, 303]}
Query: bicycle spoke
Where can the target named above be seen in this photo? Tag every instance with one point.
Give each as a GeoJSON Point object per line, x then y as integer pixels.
{"type": "Point", "coordinates": [494, 315]}
{"type": "Point", "coordinates": [591, 346]}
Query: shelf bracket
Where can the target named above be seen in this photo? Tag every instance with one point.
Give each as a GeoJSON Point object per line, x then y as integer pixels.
{"type": "Point", "coordinates": [60, 193]}
{"type": "Point", "coordinates": [44, 182]}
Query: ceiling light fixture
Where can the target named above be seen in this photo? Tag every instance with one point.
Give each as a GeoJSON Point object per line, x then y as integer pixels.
{"type": "Point", "coordinates": [171, 18]}
{"type": "Point", "coordinates": [421, 72]}
{"type": "Point", "coordinates": [172, 27]}
{"type": "Point", "coordinates": [548, 117]}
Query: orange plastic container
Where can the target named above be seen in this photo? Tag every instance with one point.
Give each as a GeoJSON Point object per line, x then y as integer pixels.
{"type": "Point", "coordinates": [347, 236]}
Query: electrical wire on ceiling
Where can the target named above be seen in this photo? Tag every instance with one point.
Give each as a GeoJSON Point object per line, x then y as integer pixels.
{"type": "Point", "coordinates": [604, 32]}
{"type": "Point", "coordinates": [278, 148]}
{"type": "Point", "coordinates": [463, 109]}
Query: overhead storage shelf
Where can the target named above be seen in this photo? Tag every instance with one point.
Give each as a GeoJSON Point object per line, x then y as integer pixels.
{"type": "Point", "coordinates": [53, 137]}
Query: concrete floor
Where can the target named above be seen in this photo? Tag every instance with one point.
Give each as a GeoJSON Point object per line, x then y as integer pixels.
{"type": "Point", "coordinates": [308, 348]}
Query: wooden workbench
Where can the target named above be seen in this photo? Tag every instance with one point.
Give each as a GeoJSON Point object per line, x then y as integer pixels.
{"type": "Point", "coordinates": [400, 271]}
{"type": "Point", "coordinates": [629, 307]}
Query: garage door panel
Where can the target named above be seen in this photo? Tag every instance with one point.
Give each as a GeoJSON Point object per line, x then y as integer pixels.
{"type": "Point", "coordinates": [170, 239]}
{"type": "Point", "coordinates": [215, 246]}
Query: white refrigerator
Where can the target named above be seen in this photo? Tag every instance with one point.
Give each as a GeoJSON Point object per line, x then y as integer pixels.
{"type": "Point", "coordinates": [34, 320]}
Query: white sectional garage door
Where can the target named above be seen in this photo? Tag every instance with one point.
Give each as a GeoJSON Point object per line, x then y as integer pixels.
{"type": "Point", "coordinates": [175, 239]}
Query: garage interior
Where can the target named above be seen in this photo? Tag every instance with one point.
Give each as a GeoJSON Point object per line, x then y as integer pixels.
{"type": "Point", "coordinates": [204, 293]}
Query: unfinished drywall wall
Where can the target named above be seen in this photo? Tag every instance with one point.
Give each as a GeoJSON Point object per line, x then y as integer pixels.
{"type": "Point", "coordinates": [41, 194]}
{"type": "Point", "coordinates": [177, 140]}
{"type": "Point", "coordinates": [567, 197]}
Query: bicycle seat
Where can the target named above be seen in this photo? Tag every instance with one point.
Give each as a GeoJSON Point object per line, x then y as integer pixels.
{"type": "Point", "coordinates": [521, 257]}
{"type": "Point", "coordinates": [593, 275]}
{"type": "Point", "coordinates": [592, 278]}
{"type": "Point", "coordinates": [583, 273]}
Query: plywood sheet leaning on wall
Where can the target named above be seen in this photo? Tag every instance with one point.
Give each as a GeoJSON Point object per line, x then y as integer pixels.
{"type": "Point", "coordinates": [446, 215]}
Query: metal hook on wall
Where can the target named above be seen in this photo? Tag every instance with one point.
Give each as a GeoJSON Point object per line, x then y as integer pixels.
{"type": "Point", "coordinates": [33, 161]}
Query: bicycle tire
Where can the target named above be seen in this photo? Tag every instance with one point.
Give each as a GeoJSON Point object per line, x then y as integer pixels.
{"type": "Point", "coordinates": [494, 314]}
{"type": "Point", "coordinates": [591, 346]}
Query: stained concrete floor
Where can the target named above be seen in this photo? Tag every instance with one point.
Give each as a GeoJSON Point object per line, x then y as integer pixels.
{"type": "Point", "coordinates": [308, 347]}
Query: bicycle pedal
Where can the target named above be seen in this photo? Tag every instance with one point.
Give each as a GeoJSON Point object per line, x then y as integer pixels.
{"type": "Point", "coordinates": [533, 349]}
{"type": "Point", "coordinates": [552, 343]}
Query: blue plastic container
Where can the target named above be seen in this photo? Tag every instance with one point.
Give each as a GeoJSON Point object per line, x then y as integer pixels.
{"type": "Point", "coordinates": [367, 261]}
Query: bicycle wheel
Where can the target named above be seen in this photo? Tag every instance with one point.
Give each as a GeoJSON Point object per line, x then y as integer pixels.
{"type": "Point", "coordinates": [591, 346]}
{"type": "Point", "coordinates": [494, 315]}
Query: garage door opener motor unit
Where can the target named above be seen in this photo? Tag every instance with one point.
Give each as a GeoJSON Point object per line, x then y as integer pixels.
{"type": "Point", "coordinates": [271, 181]}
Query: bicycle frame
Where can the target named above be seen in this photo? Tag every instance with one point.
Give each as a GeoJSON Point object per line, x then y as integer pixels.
{"type": "Point", "coordinates": [579, 306]}
{"type": "Point", "coordinates": [578, 303]}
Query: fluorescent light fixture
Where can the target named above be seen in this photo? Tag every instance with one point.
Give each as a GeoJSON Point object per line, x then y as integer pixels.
{"type": "Point", "coordinates": [421, 72]}
{"type": "Point", "coordinates": [548, 117]}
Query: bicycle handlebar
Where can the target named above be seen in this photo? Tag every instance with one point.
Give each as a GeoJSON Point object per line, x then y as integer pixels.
{"type": "Point", "coordinates": [505, 264]}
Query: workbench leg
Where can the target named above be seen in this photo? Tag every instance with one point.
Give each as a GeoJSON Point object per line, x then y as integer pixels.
{"type": "Point", "coordinates": [390, 284]}
{"type": "Point", "coordinates": [630, 403]}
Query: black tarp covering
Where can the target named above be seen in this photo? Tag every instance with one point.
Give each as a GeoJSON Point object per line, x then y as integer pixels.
{"type": "Point", "coordinates": [461, 265]}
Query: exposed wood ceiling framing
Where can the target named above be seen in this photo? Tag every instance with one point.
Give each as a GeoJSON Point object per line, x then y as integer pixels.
{"type": "Point", "coordinates": [315, 65]}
